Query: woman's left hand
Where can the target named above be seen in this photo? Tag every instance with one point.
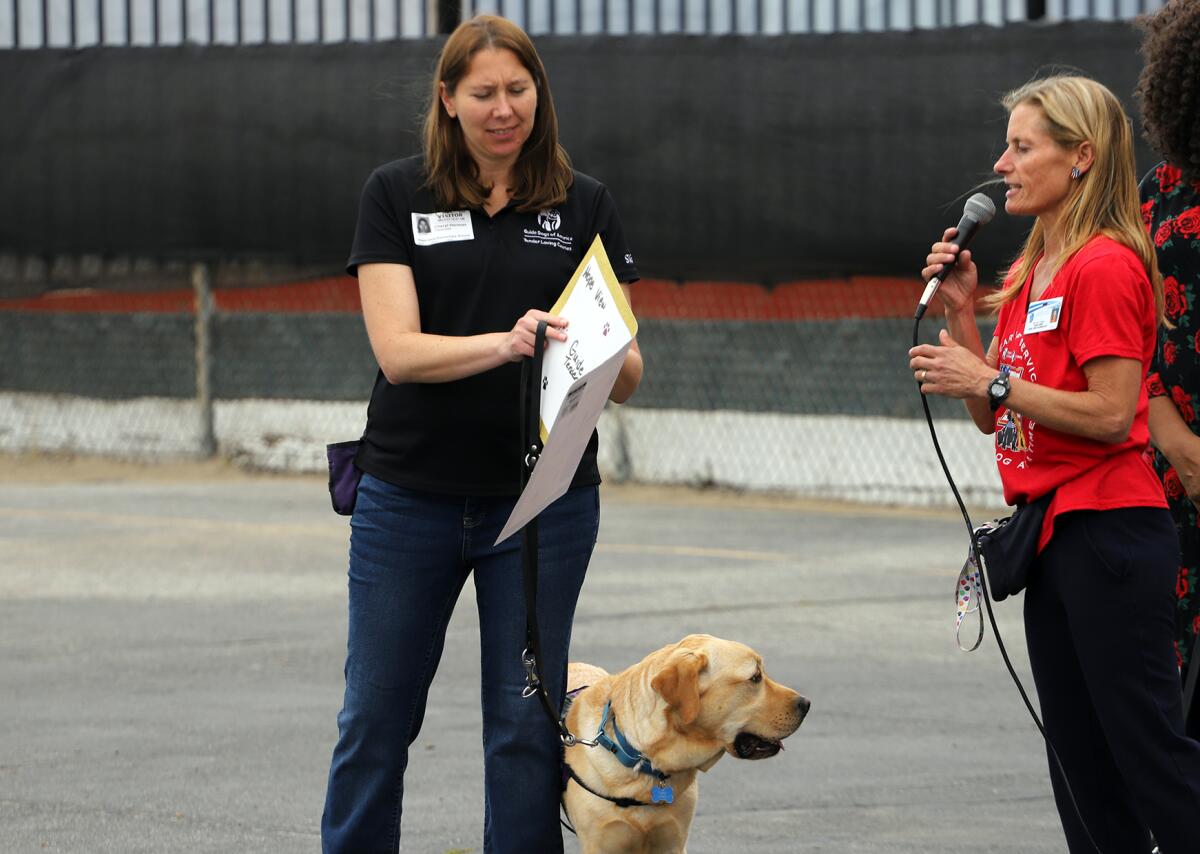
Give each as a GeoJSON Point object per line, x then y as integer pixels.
{"type": "Point", "coordinates": [949, 369]}
{"type": "Point", "coordinates": [518, 342]}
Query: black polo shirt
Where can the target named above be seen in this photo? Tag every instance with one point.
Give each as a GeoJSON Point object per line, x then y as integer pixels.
{"type": "Point", "coordinates": [474, 274]}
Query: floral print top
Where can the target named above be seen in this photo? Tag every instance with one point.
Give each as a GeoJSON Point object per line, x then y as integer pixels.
{"type": "Point", "coordinates": [1171, 211]}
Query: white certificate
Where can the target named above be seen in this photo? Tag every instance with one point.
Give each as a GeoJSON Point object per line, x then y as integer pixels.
{"type": "Point", "coordinates": [601, 323]}
{"type": "Point", "coordinates": [577, 376]}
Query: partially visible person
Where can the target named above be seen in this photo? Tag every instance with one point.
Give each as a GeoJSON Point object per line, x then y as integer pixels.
{"type": "Point", "coordinates": [1169, 91]}
{"type": "Point", "coordinates": [1061, 386]}
{"type": "Point", "coordinates": [459, 253]}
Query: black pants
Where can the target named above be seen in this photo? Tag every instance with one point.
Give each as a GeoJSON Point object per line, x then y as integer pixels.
{"type": "Point", "coordinates": [1099, 621]}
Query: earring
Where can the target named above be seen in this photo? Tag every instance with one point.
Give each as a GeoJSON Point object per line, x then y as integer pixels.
{"type": "Point", "coordinates": [1075, 173]}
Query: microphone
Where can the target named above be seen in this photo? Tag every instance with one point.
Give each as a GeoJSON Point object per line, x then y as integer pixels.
{"type": "Point", "coordinates": [977, 212]}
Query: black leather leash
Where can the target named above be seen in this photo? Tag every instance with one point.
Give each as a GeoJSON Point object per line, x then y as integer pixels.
{"type": "Point", "coordinates": [531, 449]}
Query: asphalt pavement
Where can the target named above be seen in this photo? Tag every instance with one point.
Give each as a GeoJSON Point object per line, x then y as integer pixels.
{"type": "Point", "coordinates": [172, 642]}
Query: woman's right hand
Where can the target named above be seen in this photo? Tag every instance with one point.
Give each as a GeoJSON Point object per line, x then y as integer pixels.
{"type": "Point", "coordinates": [518, 343]}
{"type": "Point", "coordinates": [958, 289]}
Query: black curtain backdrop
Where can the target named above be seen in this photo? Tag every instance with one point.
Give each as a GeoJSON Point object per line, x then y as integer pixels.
{"type": "Point", "coordinates": [749, 158]}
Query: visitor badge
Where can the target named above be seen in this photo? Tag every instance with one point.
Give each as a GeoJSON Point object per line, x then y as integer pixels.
{"type": "Point", "coordinates": [442, 227]}
{"type": "Point", "coordinates": [1043, 315]}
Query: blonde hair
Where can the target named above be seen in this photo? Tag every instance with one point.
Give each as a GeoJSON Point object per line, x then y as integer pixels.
{"type": "Point", "coordinates": [542, 172]}
{"type": "Point", "coordinates": [1104, 200]}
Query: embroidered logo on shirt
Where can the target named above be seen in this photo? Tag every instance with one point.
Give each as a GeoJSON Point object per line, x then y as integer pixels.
{"type": "Point", "coordinates": [546, 234]}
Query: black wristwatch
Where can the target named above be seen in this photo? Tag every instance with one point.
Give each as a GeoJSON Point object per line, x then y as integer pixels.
{"type": "Point", "coordinates": [998, 390]}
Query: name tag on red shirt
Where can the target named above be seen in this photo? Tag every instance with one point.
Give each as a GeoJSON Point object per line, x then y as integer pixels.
{"type": "Point", "coordinates": [1043, 315]}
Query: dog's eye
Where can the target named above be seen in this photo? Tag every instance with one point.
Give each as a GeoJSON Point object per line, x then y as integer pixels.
{"type": "Point", "coordinates": [757, 677]}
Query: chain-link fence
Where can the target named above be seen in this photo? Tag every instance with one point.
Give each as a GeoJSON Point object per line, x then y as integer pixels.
{"type": "Point", "coordinates": [257, 153]}
{"type": "Point", "coordinates": [800, 388]}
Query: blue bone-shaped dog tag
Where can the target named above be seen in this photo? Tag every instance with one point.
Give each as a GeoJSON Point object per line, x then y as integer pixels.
{"type": "Point", "coordinates": [662, 795]}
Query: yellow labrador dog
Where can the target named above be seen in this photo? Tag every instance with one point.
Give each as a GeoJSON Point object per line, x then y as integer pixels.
{"type": "Point", "coordinates": [656, 724]}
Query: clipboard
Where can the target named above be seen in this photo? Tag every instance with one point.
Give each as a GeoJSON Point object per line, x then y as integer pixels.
{"type": "Point", "coordinates": [577, 376]}
{"type": "Point", "coordinates": [601, 324]}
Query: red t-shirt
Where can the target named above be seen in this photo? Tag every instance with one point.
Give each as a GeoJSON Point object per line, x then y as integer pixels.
{"type": "Point", "coordinates": [1099, 304]}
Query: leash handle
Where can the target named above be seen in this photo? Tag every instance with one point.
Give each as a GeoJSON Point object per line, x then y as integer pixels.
{"type": "Point", "coordinates": [531, 405]}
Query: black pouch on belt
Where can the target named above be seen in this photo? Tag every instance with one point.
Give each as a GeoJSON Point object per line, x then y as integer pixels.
{"type": "Point", "coordinates": [1009, 547]}
{"type": "Point", "coordinates": [344, 476]}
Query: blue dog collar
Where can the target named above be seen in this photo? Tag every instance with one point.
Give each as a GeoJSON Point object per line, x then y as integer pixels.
{"type": "Point", "coordinates": [626, 753]}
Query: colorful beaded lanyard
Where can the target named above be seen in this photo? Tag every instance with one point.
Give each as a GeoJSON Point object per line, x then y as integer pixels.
{"type": "Point", "coordinates": [968, 598]}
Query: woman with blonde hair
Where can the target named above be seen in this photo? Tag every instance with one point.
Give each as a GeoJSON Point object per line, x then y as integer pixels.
{"type": "Point", "coordinates": [1078, 316]}
{"type": "Point", "coordinates": [460, 252]}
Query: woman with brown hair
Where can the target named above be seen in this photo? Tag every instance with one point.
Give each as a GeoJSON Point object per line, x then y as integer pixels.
{"type": "Point", "coordinates": [1169, 91]}
{"type": "Point", "coordinates": [459, 253]}
{"type": "Point", "coordinates": [1078, 316]}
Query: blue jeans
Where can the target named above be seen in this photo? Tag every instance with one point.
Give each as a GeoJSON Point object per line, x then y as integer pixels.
{"type": "Point", "coordinates": [410, 554]}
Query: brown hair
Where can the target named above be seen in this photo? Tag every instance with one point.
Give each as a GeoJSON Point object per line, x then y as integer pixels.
{"type": "Point", "coordinates": [1169, 85]}
{"type": "Point", "coordinates": [1104, 200]}
{"type": "Point", "coordinates": [542, 172]}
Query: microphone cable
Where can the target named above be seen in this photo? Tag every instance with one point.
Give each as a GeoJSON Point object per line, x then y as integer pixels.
{"type": "Point", "coordinates": [987, 599]}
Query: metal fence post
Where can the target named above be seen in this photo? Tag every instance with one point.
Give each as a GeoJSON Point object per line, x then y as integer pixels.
{"type": "Point", "coordinates": [449, 15]}
{"type": "Point", "coordinates": [203, 302]}
{"type": "Point", "coordinates": [623, 464]}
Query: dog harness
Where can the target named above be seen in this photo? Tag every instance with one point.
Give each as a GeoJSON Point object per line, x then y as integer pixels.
{"type": "Point", "coordinates": [661, 794]}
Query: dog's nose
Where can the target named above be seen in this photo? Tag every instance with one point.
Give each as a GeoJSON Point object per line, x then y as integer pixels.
{"type": "Point", "coordinates": [803, 704]}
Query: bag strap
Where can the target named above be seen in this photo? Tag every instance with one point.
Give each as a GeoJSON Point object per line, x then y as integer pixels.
{"type": "Point", "coordinates": [531, 449]}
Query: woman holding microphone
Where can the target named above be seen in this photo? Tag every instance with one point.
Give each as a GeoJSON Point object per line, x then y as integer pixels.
{"type": "Point", "coordinates": [1060, 385]}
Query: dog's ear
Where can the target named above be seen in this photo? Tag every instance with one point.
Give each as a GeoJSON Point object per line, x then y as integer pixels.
{"type": "Point", "coordinates": [678, 682]}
